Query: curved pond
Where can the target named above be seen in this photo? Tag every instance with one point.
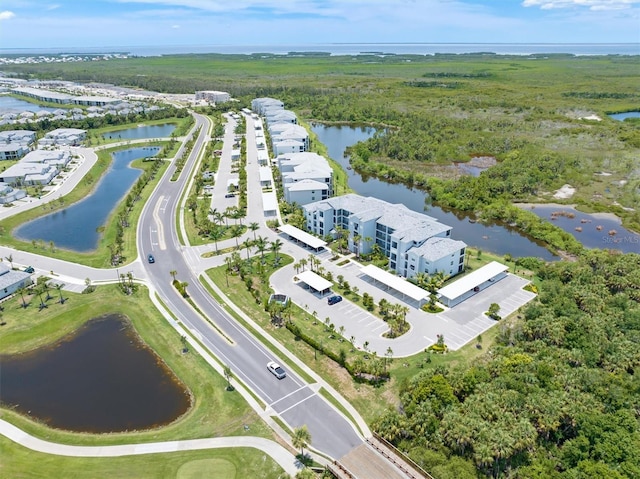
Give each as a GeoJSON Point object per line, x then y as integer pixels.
{"type": "Point", "coordinates": [598, 230]}
{"type": "Point", "coordinates": [496, 238]}
{"type": "Point", "coordinates": [625, 115]}
{"type": "Point", "coordinates": [77, 227]}
{"type": "Point", "coordinates": [100, 379]}
{"type": "Point", "coordinates": [141, 132]}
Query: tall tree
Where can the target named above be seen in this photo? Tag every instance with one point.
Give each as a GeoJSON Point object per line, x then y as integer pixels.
{"type": "Point", "coordinates": [301, 438]}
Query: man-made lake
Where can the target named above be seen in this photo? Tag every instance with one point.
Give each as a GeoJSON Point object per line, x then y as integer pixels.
{"type": "Point", "coordinates": [102, 378]}
{"type": "Point", "coordinates": [11, 104]}
{"type": "Point", "coordinates": [141, 132]}
{"type": "Point", "coordinates": [77, 227]}
{"type": "Point", "coordinates": [625, 115]}
{"type": "Point", "coordinates": [496, 238]}
{"type": "Point", "coordinates": [592, 230]}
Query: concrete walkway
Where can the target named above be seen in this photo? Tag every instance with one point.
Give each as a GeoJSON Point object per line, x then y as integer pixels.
{"type": "Point", "coordinates": [284, 458]}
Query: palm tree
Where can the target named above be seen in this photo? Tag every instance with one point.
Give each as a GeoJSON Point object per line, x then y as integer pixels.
{"type": "Point", "coordinates": [301, 438]}
{"type": "Point", "coordinates": [421, 279]}
{"type": "Point", "coordinates": [10, 260]}
{"type": "Point", "coordinates": [247, 244]}
{"type": "Point", "coordinates": [236, 231]}
{"type": "Point", "coordinates": [21, 291]}
{"type": "Point", "coordinates": [58, 286]}
{"type": "Point", "coordinates": [254, 227]}
{"type": "Point", "coordinates": [367, 240]}
{"type": "Point", "coordinates": [303, 263]}
{"type": "Point", "coordinates": [173, 274]}
{"type": "Point", "coordinates": [388, 355]}
{"type": "Point", "coordinates": [261, 246]}
{"type": "Point", "coordinates": [215, 234]}
{"type": "Point", "coordinates": [275, 248]}
{"type": "Point", "coordinates": [39, 290]}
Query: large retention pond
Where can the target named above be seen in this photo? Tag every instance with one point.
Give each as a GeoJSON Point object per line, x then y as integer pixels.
{"type": "Point", "coordinates": [16, 105]}
{"type": "Point", "coordinates": [102, 378]}
{"type": "Point", "coordinates": [141, 132]}
{"type": "Point", "coordinates": [77, 227]}
{"type": "Point", "coordinates": [496, 238]}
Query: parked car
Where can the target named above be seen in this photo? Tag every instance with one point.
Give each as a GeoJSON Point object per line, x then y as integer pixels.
{"type": "Point", "coordinates": [229, 195]}
{"type": "Point", "coordinates": [151, 259]}
{"type": "Point", "coordinates": [29, 269]}
{"type": "Point", "coordinates": [276, 370]}
{"type": "Point", "coordinates": [334, 299]}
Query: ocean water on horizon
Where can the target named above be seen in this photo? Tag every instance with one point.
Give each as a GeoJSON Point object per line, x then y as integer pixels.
{"type": "Point", "coordinates": [356, 48]}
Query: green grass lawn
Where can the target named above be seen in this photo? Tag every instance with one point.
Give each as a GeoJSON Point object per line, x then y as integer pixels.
{"type": "Point", "coordinates": [231, 463]}
{"type": "Point", "coordinates": [369, 400]}
{"type": "Point", "coordinates": [214, 411]}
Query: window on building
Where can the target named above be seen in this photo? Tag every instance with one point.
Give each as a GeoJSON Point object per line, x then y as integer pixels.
{"type": "Point", "coordinates": [394, 244]}
{"type": "Point", "coordinates": [412, 267]}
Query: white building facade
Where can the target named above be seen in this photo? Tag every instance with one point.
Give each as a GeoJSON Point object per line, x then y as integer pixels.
{"type": "Point", "coordinates": [413, 242]}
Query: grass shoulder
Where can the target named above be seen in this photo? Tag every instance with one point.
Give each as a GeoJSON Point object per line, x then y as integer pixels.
{"type": "Point", "coordinates": [229, 463]}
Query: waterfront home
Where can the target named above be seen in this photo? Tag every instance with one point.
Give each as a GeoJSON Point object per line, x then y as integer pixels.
{"type": "Point", "coordinates": [11, 280]}
{"type": "Point", "coordinates": [413, 242]}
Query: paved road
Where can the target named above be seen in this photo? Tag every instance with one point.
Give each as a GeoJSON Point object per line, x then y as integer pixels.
{"type": "Point", "coordinates": [331, 432]}
{"type": "Point", "coordinates": [284, 458]}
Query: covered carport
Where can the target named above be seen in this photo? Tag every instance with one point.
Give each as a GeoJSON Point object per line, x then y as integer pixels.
{"type": "Point", "coordinates": [402, 286]}
{"type": "Point", "coordinates": [316, 282]}
{"type": "Point", "coordinates": [302, 236]}
{"type": "Point", "coordinates": [471, 284]}
{"type": "Point", "coordinates": [269, 204]}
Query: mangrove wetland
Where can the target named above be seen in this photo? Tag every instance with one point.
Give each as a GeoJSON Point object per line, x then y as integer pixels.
{"type": "Point", "coordinates": [552, 392]}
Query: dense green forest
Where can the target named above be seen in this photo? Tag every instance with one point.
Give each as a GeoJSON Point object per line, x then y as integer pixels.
{"type": "Point", "coordinates": [558, 396]}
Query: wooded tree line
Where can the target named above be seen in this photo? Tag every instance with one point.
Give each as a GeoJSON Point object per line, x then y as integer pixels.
{"type": "Point", "coordinates": [558, 396]}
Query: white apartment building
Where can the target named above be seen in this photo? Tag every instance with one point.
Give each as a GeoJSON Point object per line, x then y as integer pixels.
{"type": "Point", "coordinates": [212, 96]}
{"type": "Point", "coordinates": [413, 242]}
{"type": "Point", "coordinates": [260, 105]}
{"type": "Point", "coordinates": [296, 167]}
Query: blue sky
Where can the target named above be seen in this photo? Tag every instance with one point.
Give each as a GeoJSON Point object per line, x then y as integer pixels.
{"type": "Point", "coordinates": [102, 23]}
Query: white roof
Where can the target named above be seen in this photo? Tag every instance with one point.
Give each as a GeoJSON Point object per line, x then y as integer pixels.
{"type": "Point", "coordinates": [315, 281]}
{"type": "Point", "coordinates": [306, 185]}
{"type": "Point", "coordinates": [395, 282]}
{"type": "Point", "coordinates": [303, 236]}
{"type": "Point", "coordinates": [269, 201]}
{"type": "Point", "coordinates": [470, 281]}
{"type": "Point", "coordinates": [265, 173]}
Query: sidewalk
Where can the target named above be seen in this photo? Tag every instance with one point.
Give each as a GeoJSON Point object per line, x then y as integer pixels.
{"type": "Point", "coordinates": [284, 458]}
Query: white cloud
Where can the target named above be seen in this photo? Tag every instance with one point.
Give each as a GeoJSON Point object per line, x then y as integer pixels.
{"type": "Point", "coordinates": [225, 6]}
{"type": "Point", "coordinates": [595, 5]}
{"type": "Point", "coordinates": [6, 15]}
{"type": "Point", "coordinates": [175, 27]}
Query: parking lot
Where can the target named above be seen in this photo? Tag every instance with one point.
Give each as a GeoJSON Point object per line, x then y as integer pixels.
{"type": "Point", "coordinates": [459, 325]}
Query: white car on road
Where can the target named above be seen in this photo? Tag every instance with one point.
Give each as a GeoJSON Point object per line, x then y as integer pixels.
{"type": "Point", "coordinates": [276, 370]}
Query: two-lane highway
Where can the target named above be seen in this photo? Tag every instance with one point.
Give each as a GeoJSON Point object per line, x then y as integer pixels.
{"type": "Point", "coordinates": [292, 398]}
